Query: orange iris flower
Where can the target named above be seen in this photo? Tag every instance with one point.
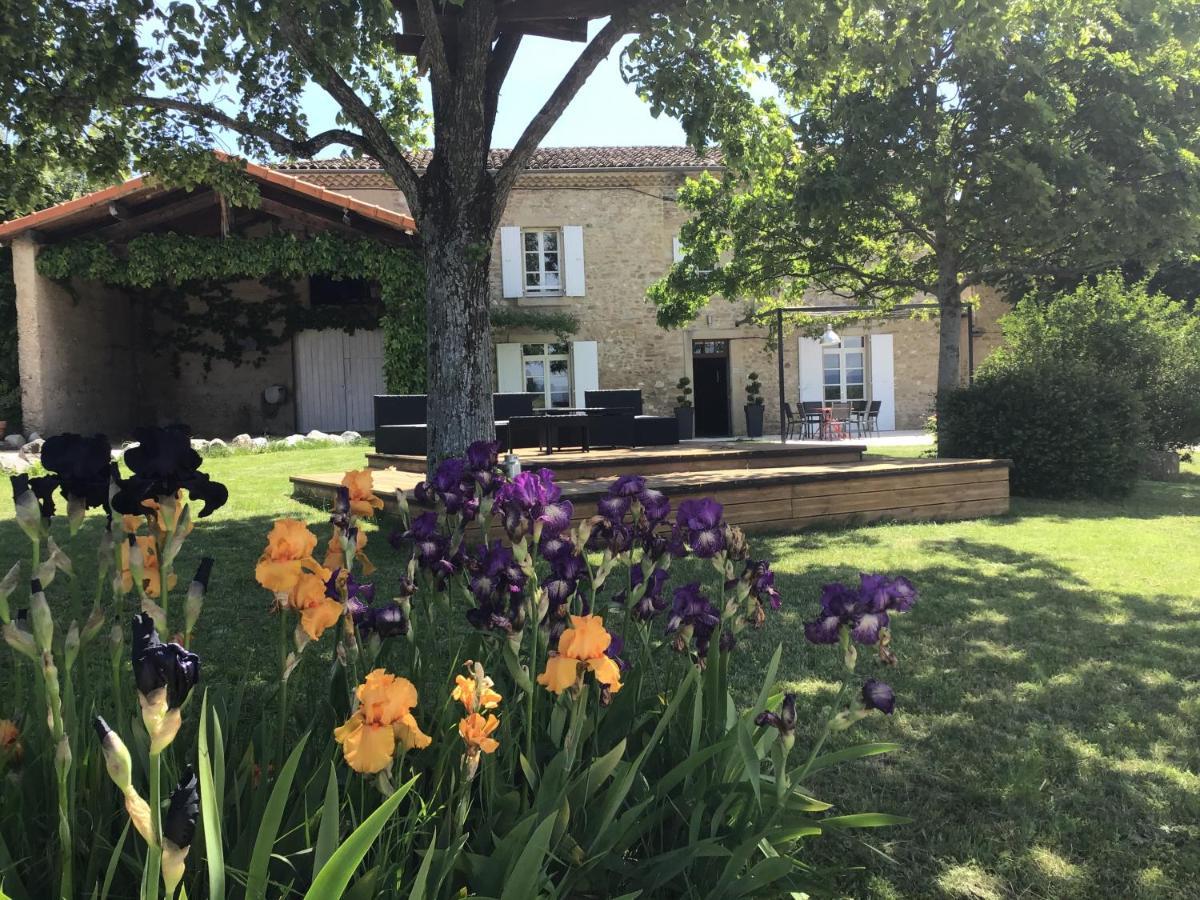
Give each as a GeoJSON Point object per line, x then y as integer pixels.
{"type": "Point", "coordinates": [363, 501]}
{"type": "Point", "coordinates": [290, 546]}
{"type": "Point", "coordinates": [317, 610]}
{"type": "Point", "coordinates": [476, 732]}
{"type": "Point", "coordinates": [151, 578]}
{"type": "Point", "coordinates": [475, 693]}
{"type": "Point", "coordinates": [581, 648]}
{"type": "Point", "coordinates": [383, 719]}
{"type": "Point", "coordinates": [156, 508]}
{"type": "Point", "coordinates": [335, 558]}
{"type": "Point", "coordinates": [11, 750]}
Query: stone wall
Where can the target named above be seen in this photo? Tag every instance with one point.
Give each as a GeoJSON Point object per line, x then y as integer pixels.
{"type": "Point", "coordinates": [86, 366]}
{"type": "Point", "coordinates": [629, 222]}
{"type": "Point", "coordinates": [76, 350]}
{"type": "Point", "coordinates": [227, 399]}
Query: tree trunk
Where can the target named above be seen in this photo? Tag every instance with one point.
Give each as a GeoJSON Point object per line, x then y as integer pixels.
{"type": "Point", "coordinates": [457, 254]}
{"type": "Point", "coordinates": [949, 297]}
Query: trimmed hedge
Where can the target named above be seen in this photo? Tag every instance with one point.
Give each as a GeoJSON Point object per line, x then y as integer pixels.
{"type": "Point", "coordinates": [1070, 429]}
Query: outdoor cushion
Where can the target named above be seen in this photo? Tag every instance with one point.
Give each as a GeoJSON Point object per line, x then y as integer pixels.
{"type": "Point", "coordinates": [629, 400]}
{"type": "Point", "coordinates": [409, 440]}
{"type": "Point", "coordinates": [399, 409]}
{"type": "Point", "coordinates": [655, 431]}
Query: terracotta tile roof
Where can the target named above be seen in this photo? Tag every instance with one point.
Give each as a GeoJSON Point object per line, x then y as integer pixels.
{"type": "Point", "coordinates": [544, 159]}
{"type": "Point", "coordinates": [47, 217]}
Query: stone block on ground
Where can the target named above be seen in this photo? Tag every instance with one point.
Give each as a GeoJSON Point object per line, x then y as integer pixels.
{"type": "Point", "coordinates": [258, 443]}
{"type": "Point", "coordinates": [241, 442]}
{"type": "Point", "coordinates": [15, 441]}
{"type": "Point", "coordinates": [33, 447]}
{"type": "Point", "coordinates": [349, 436]}
{"type": "Point", "coordinates": [294, 440]}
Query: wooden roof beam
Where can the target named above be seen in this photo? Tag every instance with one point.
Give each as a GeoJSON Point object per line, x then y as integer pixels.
{"type": "Point", "coordinates": [135, 222]}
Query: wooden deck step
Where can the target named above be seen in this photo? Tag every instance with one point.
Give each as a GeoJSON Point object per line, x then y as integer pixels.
{"type": "Point", "coordinates": [686, 457]}
{"type": "Point", "coordinates": [780, 498]}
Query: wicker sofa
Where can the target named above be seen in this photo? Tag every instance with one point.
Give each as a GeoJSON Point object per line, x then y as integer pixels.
{"type": "Point", "coordinates": [400, 421]}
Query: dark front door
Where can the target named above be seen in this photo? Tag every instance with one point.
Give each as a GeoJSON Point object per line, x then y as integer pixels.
{"type": "Point", "coordinates": [710, 376]}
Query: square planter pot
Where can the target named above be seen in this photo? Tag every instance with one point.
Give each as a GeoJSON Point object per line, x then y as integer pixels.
{"type": "Point", "coordinates": [754, 420]}
{"type": "Point", "coordinates": [686, 416]}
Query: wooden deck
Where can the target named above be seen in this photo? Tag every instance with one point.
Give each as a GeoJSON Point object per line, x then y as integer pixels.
{"type": "Point", "coordinates": [686, 457]}
{"type": "Point", "coordinates": [781, 498]}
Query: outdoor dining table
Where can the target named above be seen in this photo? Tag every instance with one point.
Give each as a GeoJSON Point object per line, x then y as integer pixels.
{"type": "Point", "coordinates": [551, 421]}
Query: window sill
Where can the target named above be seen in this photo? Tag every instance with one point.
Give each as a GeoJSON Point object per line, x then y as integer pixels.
{"type": "Point", "coordinates": [545, 300]}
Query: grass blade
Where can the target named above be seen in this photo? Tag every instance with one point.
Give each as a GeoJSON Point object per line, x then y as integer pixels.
{"type": "Point", "coordinates": [210, 809]}
{"type": "Point", "coordinates": [857, 752]}
{"type": "Point", "coordinates": [865, 820]}
{"type": "Point", "coordinates": [268, 829]}
{"type": "Point", "coordinates": [327, 833]}
{"type": "Point", "coordinates": [335, 875]}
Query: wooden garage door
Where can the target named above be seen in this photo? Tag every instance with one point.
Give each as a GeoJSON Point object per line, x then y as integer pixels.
{"type": "Point", "coordinates": [337, 375]}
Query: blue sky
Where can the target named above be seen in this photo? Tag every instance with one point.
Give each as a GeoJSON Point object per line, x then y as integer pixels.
{"type": "Point", "coordinates": [606, 111]}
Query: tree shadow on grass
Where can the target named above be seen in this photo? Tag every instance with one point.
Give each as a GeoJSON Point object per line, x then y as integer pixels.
{"type": "Point", "coordinates": [1050, 735]}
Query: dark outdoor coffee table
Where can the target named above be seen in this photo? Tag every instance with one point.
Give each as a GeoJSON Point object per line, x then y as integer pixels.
{"type": "Point", "coordinates": [551, 422]}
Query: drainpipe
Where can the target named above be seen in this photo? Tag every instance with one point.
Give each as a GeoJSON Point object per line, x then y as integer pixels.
{"type": "Point", "coordinates": [970, 343]}
{"type": "Point", "coordinates": [779, 360]}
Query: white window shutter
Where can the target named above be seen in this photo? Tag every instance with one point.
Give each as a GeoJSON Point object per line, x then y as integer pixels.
{"type": "Point", "coordinates": [812, 376]}
{"type": "Point", "coordinates": [883, 380]}
{"type": "Point", "coordinates": [511, 270]}
{"type": "Point", "coordinates": [678, 250]}
{"type": "Point", "coordinates": [573, 260]}
{"type": "Point", "coordinates": [510, 378]}
{"type": "Point", "coordinates": [585, 369]}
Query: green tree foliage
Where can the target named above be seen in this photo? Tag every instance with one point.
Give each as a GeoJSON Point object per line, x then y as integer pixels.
{"type": "Point", "coordinates": [929, 147]}
{"type": "Point", "coordinates": [117, 83]}
{"type": "Point", "coordinates": [1148, 341]}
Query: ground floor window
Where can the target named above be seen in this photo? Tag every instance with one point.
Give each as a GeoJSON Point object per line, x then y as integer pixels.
{"type": "Point", "coordinates": [845, 365]}
{"type": "Point", "coordinates": [547, 369]}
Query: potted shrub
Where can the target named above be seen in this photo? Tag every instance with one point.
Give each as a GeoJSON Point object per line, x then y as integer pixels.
{"type": "Point", "coordinates": [754, 406]}
{"type": "Point", "coordinates": [684, 410]}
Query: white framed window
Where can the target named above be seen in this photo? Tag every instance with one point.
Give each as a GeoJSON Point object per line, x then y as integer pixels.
{"type": "Point", "coordinates": [845, 369]}
{"type": "Point", "coordinates": [547, 371]}
{"type": "Point", "coordinates": [542, 254]}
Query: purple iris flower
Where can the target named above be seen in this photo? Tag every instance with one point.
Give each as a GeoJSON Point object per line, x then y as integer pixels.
{"type": "Point", "coordinates": [878, 695]}
{"type": "Point", "coordinates": [627, 486]}
{"type": "Point", "coordinates": [429, 545]}
{"type": "Point", "coordinates": [157, 665]}
{"type": "Point", "coordinates": [340, 518]}
{"type": "Point", "coordinates": [655, 506]}
{"type": "Point", "coordinates": [865, 610]}
{"type": "Point", "coordinates": [552, 546]}
{"type": "Point", "coordinates": [762, 582]}
{"type": "Point", "coordinates": [691, 610]}
{"type": "Point", "coordinates": [448, 476]}
{"type": "Point", "coordinates": [702, 523]}
{"type": "Point", "coordinates": [784, 720]}
{"type": "Point", "coordinates": [532, 498]}
{"type": "Point", "coordinates": [614, 650]}
{"type": "Point", "coordinates": [495, 573]}
{"type": "Point", "coordinates": [482, 455]}
{"type": "Point", "coordinates": [613, 507]}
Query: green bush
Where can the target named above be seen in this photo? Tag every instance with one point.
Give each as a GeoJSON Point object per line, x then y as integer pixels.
{"type": "Point", "coordinates": [1146, 341]}
{"type": "Point", "coordinates": [1070, 428]}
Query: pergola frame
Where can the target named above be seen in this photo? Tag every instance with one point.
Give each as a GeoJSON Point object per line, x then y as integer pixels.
{"type": "Point", "coordinates": [782, 311]}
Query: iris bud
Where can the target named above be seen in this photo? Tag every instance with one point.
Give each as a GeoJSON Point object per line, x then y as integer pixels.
{"type": "Point", "coordinates": [21, 641]}
{"type": "Point", "coordinates": [7, 586]}
{"type": "Point", "coordinates": [71, 645]}
{"type": "Point", "coordinates": [116, 755]}
{"type": "Point", "coordinates": [40, 617]}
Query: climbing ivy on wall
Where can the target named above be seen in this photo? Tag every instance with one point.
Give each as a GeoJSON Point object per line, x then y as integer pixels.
{"type": "Point", "coordinates": [186, 281]}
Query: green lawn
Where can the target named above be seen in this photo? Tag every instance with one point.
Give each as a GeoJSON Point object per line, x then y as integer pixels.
{"type": "Point", "coordinates": [1049, 681]}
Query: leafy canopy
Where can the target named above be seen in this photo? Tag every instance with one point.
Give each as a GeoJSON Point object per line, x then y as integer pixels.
{"type": "Point", "coordinates": [929, 147]}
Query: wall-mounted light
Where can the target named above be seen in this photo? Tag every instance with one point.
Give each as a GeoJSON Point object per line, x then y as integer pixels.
{"type": "Point", "coordinates": [830, 337]}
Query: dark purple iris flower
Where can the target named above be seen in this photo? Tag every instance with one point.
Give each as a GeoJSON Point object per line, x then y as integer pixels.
{"type": "Point", "coordinates": [356, 590]}
{"type": "Point", "coordinates": [80, 466]}
{"type": "Point", "coordinates": [652, 602]}
{"type": "Point", "coordinates": [42, 488]}
{"type": "Point", "coordinates": [616, 537]}
{"type": "Point", "coordinates": [495, 573]}
{"type": "Point", "coordinates": [552, 546]}
{"type": "Point", "coordinates": [340, 517]}
{"type": "Point", "coordinates": [482, 455]}
{"type": "Point", "coordinates": [179, 821]}
{"type": "Point", "coordinates": [784, 720]}
{"type": "Point", "coordinates": [162, 464]}
{"type": "Point", "coordinates": [865, 610]}
{"type": "Point", "coordinates": [157, 665]}
{"type": "Point", "coordinates": [878, 695]}
{"type": "Point", "coordinates": [615, 647]}
{"type": "Point", "coordinates": [655, 506]}
{"type": "Point", "coordinates": [699, 523]}
{"type": "Point", "coordinates": [692, 611]}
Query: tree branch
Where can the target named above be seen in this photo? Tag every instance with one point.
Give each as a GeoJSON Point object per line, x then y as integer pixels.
{"type": "Point", "coordinates": [375, 137]}
{"type": "Point", "coordinates": [434, 49]}
{"type": "Point", "coordinates": [501, 61]}
{"type": "Point", "coordinates": [281, 144]}
{"type": "Point", "coordinates": [601, 45]}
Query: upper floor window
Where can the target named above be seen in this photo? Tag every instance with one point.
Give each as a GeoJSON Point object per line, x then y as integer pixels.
{"type": "Point", "coordinates": [845, 367]}
{"type": "Point", "coordinates": [543, 260]}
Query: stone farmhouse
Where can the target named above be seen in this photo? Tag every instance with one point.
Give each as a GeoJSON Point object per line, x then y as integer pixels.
{"type": "Point", "coordinates": [585, 232]}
